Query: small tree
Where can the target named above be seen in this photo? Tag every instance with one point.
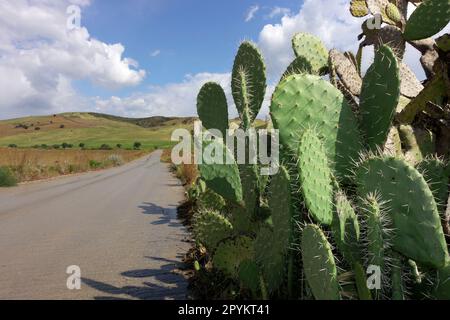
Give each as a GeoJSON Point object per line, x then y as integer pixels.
{"type": "Point", "coordinates": [137, 145]}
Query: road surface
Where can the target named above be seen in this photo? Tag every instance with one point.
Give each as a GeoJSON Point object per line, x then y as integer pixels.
{"type": "Point", "coordinates": [118, 226]}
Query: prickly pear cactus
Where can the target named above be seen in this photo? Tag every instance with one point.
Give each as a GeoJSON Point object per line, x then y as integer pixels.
{"type": "Point", "coordinates": [345, 228]}
{"type": "Point", "coordinates": [210, 228]}
{"type": "Point", "coordinates": [273, 244]}
{"type": "Point", "coordinates": [315, 177]}
{"type": "Point", "coordinates": [347, 71]}
{"type": "Point", "coordinates": [413, 211]}
{"type": "Point", "coordinates": [379, 97]}
{"type": "Point", "coordinates": [212, 107]}
{"type": "Point", "coordinates": [313, 50]}
{"type": "Point", "coordinates": [358, 8]}
{"type": "Point", "coordinates": [435, 172]}
{"type": "Point", "coordinates": [250, 277]}
{"type": "Point", "coordinates": [306, 101]}
{"type": "Point", "coordinates": [377, 237]}
{"type": "Point", "coordinates": [231, 253]}
{"type": "Point", "coordinates": [223, 179]}
{"type": "Point", "coordinates": [299, 66]}
{"type": "Point", "coordinates": [428, 19]}
{"type": "Point", "coordinates": [319, 264]}
{"type": "Point", "coordinates": [248, 82]}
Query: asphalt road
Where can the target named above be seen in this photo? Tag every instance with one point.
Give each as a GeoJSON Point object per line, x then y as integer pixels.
{"type": "Point", "coordinates": [118, 226]}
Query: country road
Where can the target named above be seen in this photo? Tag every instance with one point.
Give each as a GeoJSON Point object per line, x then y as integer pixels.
{"type": "Point", "coordinates": [119, 226]}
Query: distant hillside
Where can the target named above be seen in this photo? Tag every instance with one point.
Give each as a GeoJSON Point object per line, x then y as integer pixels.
{"type": "Point", "coordinates": [90, 129]}
{"type": "Point", "coordinates": [144, 122]}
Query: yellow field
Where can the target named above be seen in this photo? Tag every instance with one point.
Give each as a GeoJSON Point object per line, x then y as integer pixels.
{"type": "Point", "coordinates": [34, 164]}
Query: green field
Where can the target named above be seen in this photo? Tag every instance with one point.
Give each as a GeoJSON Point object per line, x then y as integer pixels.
{"type": "Point", "coordinates": [91, 129]}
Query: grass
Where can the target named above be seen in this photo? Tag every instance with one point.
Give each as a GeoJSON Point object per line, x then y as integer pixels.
{"type": "Point", "coordinates": [92, 130]}
{"type": "Point", "coordinates": [34, 164]}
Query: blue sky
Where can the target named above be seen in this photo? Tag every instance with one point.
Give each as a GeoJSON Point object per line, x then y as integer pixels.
{"type": "Point", "coordinates": [142, 58]}
{"type": "Point", "coordinates": [172, 38]}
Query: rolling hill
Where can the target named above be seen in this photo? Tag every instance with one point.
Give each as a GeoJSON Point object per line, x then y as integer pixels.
{"type": "Point", "coordinates": [92, 129]}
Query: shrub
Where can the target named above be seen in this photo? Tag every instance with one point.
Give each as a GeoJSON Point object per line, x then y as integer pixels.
{"type": "Point", "coordinates": [44, 146]}
{"type": "Point", "coordinates": [62, 126]}
{"type": "Point", "coordinates": [105, 147]}
{"type": "Point", "coordinates": [7, 178]}
{"type": "Point", "coordinates": [137, 145]}
{"type": "Point", "coordinates": [94, 164]}
{"type": "Point", "coordinates": [119, 146]}
{"type": "Point", "coordinates": [82, 145]}
{"type": "Point", "coordinates": [56, 146]}
{"type": "Point", "coordinates": [12, 145]}
{"type": "Point", "coordinates": [37, 128]}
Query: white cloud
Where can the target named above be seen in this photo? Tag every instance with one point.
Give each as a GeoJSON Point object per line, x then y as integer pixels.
{"type": "Point", "coordinates": [155, 53]}
{"type": "Point", "coordinates": [278, 11]}
{"type": "Point", "coordinates": [174, 99]}
{"type": "Point", "coordinates": [39, 58]}
{"type": "Point", "coordinates": [251, 13]}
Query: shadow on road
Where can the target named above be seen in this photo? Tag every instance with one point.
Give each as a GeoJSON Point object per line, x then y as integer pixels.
{"type": "Point", "coordinates": [157, 284]}
{"type": "Point", "coordinates": [167, 215]}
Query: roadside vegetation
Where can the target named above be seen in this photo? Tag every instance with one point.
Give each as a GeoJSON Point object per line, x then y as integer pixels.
{"type": "Point", "coordinates": [21, 165]}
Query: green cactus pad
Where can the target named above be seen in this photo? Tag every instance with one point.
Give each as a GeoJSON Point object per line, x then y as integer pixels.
{"type": "Point", "coordinates": [345, 228]}
{"type": "Point", "coordinates": [358, 8]}
{"type": "Point", "coordinates": [434, 89]}
{"type": "Point", "coordinates": [413, 153]}
{"type": "Point", "coordinates": [347, 71]}
{"type": "Point", "coordinates": [428, 19]}
{"type": "Point", "coordinates": [249, 276]}
{"type": "Point", "coordinates": [313, 50]}
{"type": "Point", "coordinates": [379, 97]}
{"type": "Point", "coordinates": [443, 42]}
{"type": "Point", "coordinates": [319, 264]}
{"type": "Point", "coordinates": [211, 200]}
{"type": "Point", "coordinates": [398, 287]}
{"type": "Point", "coordinates": [413, 211]}
{"type": "Point", "coordinates": [393, 145]}
{"type": "Point", "coordinates": [393, 13]}
{"type": "Point", "coordinates": [231, 253]}
{"type": "Point", "coordinates": [280, 204]}
{"type": "Point", "coordinates": [270, 253]}
{"type": "Point", "coordinates": [436, 174]}
{"type": "Point", "coordinates": [442, 290]}
{"type": "Point", "coordinates": [304, 101]}
{"type": "Point", "coordinates": [299, 66]}
{"type": "Point", "coordinates": [212, 107]}
{"type": "Point", "coordinates": [248, 81]}
{"type": "Point", "coordinates": [210, 228]}
{"type": "Point", "coordinates": [315, 177]}
{"type": "Point", "coordinates": [223, 178]}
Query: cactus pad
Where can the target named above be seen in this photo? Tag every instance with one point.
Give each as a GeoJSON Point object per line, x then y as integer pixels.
{"type": "Point", "coordinates": [347, 71]}
{"type": "Point", "coordinates": [210, 228]}
{"type": "Point", "coordinates": [248, 82]}
{"type": "Point", "coordinates": [414, 212]}
{"type": "Point", "coordinates": [319, 264]}
{"type": "Point", "coordinates": [212, 107]}
{"type": "Point", "coordinates": [223, 178]}
{"type": "Point", "coordinates": [230, 253]}
{"type": "Point", "coordinates": [313, 50]}
{"type": "Point", "coordinates": [379, 97]}
{"type": "Point", "coordinates": [249, 276]}
{"type": "Point", "coordinates": [428, 19]}
{"type": "Point", "coordinates": [210, 200]}
{"type": "Point", "coordinates": [435, 173]}
{"type": "Point", "coordinates": [299, 66]}
{"type": "Point", "coordinates": [315, 177]}
{"type": "Point", "coordinates": [304, 101]}
{"type": "Point", "coordinates": [345, 228]}
{"type": "Point", "coordinates": [358, 8]}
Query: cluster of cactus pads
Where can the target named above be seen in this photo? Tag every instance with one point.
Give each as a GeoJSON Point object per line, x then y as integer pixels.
{"type": "Point", "coordinates": [358, 209]}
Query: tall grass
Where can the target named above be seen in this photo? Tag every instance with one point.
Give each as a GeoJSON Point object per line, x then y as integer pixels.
{"type": "Point", "coordinates": [7, 178]}
{"type": "Point", "coordinates": [35, 164]}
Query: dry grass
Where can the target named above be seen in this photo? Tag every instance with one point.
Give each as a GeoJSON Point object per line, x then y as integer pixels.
{"type": "Point", "coordinates": [35, 164]}
{"type": "Point", "coordinates": [187, 173]}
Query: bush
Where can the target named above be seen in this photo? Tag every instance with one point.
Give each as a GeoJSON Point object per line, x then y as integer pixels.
{"type": "Point", "coordinates": [37, 128]}
{"type": "Point", "coordinates": [94, 164]}
{"type": "Point", "coordinates": [119, 146]}
{"type": "Point", "coordinates": [62, 126]}
{"type": "Point", "coordinates": [82, 145]}
{"type": "Point", "coordinates": [105, 147]}
{"type": "Point", "coordinates": [56, 146]}
{"type": "Point", "coordinates": [137, 145]}
{"type": "Point", "coordinates": [12, 145]}
{"type": "Point", "coordinates": [7, 178]}
{"type": "Point", "coordinates": [44, 146]}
